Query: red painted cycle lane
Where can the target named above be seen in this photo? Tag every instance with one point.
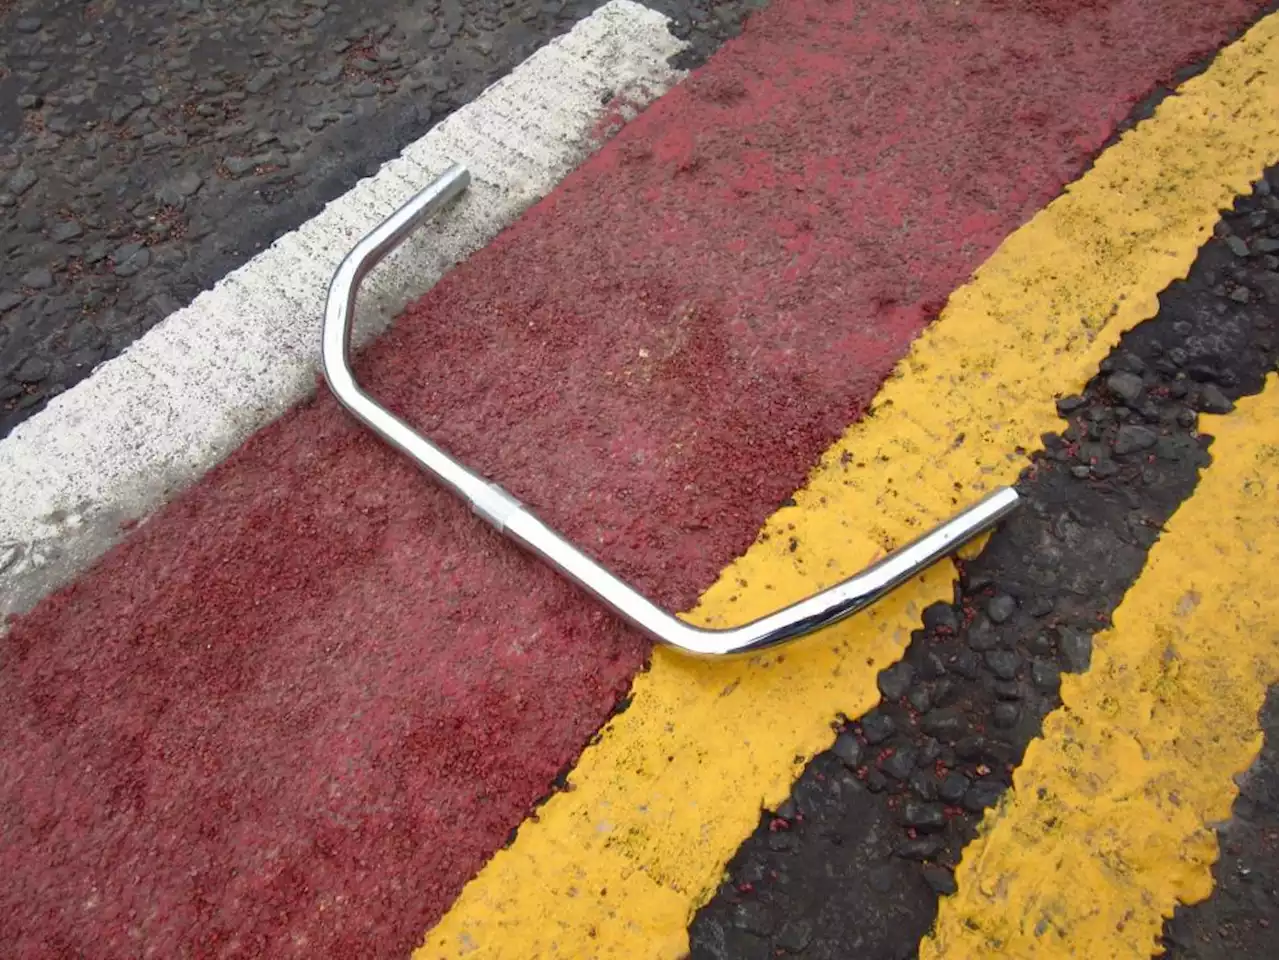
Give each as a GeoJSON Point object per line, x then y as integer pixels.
{"type": "Point", "coordinates": [300, 707]}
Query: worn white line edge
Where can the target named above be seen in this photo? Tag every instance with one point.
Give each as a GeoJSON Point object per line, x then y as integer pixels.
{"type": "Point", "coordinates": [153, 420]}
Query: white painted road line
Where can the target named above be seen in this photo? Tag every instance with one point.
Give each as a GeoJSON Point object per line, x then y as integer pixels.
{"type": "Point", "coordinates": [151, 421]}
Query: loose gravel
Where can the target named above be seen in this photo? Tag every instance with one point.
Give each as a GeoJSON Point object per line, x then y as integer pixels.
{"type": "Point", "coordinates": [148, 148]}
{"type": "Point", "coordinates": [875, 826]}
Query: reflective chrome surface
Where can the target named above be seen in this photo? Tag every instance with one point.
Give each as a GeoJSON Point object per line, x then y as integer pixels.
{"type": "Point", "coordinates": [512, 518]}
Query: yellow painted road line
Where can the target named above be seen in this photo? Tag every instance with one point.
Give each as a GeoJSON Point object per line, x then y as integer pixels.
{"type": "Point", "coordinates": [616, 866]}
{"type": "Point", "coordinates": [1110, 821]}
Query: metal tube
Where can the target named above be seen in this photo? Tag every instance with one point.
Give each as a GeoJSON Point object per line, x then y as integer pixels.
{"type": "Point", "coordinates": [515, 520]}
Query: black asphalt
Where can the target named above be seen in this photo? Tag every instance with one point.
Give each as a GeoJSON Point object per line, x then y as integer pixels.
{"type": "Point", "coordinates": [1239, 920]}
{"type": "Point", "coordinates": [854, 863]}
{"type": "Point", "coordinates": [149, 147]}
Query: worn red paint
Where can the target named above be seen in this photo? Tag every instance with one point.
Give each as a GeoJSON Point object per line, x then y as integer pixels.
{"type": "Point", "coordinates": [296, 711]}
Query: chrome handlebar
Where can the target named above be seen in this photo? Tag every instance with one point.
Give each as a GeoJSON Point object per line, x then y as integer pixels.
{"type": "Point", "coordinates": [516, 521]}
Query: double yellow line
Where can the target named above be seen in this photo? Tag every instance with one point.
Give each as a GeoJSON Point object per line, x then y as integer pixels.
{"type": "Point", "coordinates": [1109, 824]}
{"type": "Point", "coordinates": [617, 865]}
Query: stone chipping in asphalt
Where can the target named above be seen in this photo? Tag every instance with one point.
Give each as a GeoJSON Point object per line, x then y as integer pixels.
{"type": "Point", "coordinates": [193, 134]}
{"type": "Point", "coordinates": [867, 853]}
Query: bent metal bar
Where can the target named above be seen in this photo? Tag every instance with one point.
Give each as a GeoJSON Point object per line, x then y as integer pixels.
{"type": "Point", "coordinates": [517, 522]}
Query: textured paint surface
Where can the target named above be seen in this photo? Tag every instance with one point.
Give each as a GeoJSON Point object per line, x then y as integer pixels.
{"type": "Point", "coordinates": [300, 707]}
{"type": "Point", "coordinates": [616, 866]}
{"type": "Point", "coordinates": [1122, 790]}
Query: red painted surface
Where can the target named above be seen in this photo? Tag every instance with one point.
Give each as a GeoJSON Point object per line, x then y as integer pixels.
{"type": "Point", "coordinates": [297, 710]}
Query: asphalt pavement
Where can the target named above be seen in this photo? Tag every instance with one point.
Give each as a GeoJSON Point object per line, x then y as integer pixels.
{"type": "Point", "coordinates": [738, 332]}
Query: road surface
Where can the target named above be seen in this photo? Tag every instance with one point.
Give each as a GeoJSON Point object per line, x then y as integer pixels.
{"type": "Point", "coordinates": [737, 331]}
